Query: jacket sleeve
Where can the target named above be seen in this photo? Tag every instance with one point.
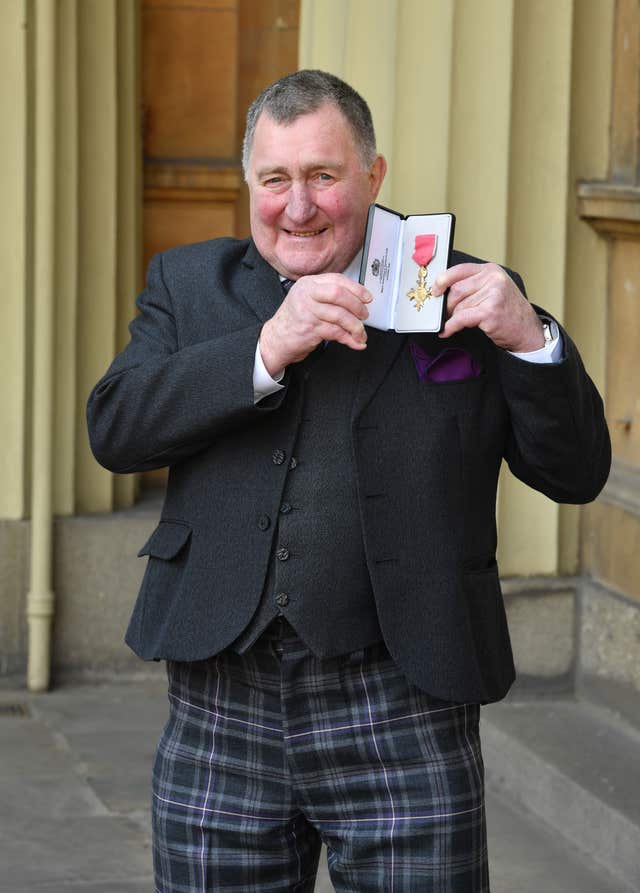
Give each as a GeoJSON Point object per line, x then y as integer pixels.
{"type": "Point", "coordinates": [559, 442]}
{"type": "Point", "coordinates": [158, 402]}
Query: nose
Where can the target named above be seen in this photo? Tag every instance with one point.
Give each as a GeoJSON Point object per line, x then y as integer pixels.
{"type": "Point", "coordinates": [300, 206]}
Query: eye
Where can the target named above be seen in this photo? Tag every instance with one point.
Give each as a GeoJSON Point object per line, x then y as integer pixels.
{"type": "Point", "coordinates": [273, 181]}
{"type": "Point", "coordinates": [324, 177]}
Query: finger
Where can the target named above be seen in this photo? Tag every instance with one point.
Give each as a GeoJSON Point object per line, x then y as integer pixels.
{"type": "Point", "coordinates": [344, 287]}
{"type": "Point", "coordinates": [336, 333]}
{"type": "Point", "coordinates": [464, 289]}
{"type": "Point", "coordinates": [466, 318]}
{"type": "Point", "coordinates": [332, 283]}
{"type": "Point", "coordinates": [337, 316]}
{"type": "Point", "coordinates": [363, 294]}
{"type": "Point", "coordinates": [350, 300]}
{"type": "Point", "coordinates": [461, 271]}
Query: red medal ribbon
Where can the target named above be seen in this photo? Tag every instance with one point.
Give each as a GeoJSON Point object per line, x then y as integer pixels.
{"type": "Point", "coordinates": [425, 249]}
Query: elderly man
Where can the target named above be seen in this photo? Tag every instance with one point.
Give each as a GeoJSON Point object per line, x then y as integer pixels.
{"type": "Point", "coordinates": [322, 583]}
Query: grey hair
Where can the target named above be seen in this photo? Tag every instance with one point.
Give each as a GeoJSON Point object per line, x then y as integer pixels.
{"type": "Point", "coordinates": [303, 92]}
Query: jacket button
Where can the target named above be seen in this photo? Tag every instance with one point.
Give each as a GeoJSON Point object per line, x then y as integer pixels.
{"type": "Point", "coordinates": [278, 457]}
{"type": "Point", "coordinates": [293, 463]}
{"type": "Point", "coordinates": [282, 554]}
{"type": "Point", "coordinates": [264, 522]}
{"type": "Point", "coordinates": [282, 599]}
{"type": "Point", "coordinates": [285, 508]}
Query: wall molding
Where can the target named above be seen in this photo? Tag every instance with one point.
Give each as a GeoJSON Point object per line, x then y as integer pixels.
{"type": "Point", "coordinates": [612, 209]}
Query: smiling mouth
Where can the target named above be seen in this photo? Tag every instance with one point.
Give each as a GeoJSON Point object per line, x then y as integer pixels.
{"type": "Point", "coordinates": [308, 234]}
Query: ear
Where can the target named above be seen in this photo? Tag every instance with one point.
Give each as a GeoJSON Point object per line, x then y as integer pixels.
{"type": "Point", "coordinates": [376, 175]}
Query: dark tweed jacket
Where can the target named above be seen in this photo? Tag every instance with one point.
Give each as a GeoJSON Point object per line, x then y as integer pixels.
{"type": "Point", "coordinates": [426, 458]}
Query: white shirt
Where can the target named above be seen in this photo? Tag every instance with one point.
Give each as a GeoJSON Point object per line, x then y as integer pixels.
{"type": "Point", "coordinates": [265, 384]}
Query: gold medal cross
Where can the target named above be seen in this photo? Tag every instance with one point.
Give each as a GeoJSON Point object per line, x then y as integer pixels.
{"type": "Point", "coordinates": [422, 291]}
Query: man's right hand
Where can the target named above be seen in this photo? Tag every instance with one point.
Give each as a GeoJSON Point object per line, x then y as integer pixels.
{"type": "Point", "coordinates": [326, 307]}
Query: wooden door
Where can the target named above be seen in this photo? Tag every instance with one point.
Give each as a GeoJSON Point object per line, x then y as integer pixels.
{"type": "Point", "coordinates": [611, 526]}
{"type": "Point", "coordinates": [203, 61]}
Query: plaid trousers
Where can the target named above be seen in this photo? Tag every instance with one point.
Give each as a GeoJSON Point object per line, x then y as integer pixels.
{"type": "Point", "coordinates": [267, 754]}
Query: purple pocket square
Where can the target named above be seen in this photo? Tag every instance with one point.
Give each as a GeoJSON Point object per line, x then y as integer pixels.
{"type": "Point", "coordinates": [451, 364]}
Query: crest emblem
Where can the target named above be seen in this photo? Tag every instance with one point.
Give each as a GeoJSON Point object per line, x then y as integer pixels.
{"type": "Point", "coordinates": [375, 267]}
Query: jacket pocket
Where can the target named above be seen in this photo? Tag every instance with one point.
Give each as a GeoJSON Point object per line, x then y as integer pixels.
{"type": "Point", "coordinates": [167, 540]}
{"type": "Point", "coordinates": [168, 549]}
{"type": "Point", "coordinates": [460, 396]}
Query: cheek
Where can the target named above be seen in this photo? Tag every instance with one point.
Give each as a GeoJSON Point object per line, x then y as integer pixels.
{"type": "Point", "coordinates": [266, 210]}
{"type": "Point", "coordinates": [338, 208]}
{"type": "Point", "coordinates": [347, 206]}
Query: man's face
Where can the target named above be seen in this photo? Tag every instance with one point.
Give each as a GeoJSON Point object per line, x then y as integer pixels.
{"type": "Point", "coordinates": [309, 193]}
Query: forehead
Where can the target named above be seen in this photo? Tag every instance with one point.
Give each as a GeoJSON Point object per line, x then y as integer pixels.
{"type": "Point", "coordinates": [317, 138]}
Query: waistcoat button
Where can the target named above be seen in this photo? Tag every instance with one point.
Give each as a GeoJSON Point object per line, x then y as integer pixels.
{"type": "Point", "coordinates": [293, 463]}
{"type": "Point", "coordinates": [263, 522]}
{"type": "Point", "coordinates": [278, 457]}
{"type": "Point", "coordinates": [285, 508]}
{"type": "Point", "coordinates": [282, 599]}
{"type": "Point", "coordinates": [282, 554]}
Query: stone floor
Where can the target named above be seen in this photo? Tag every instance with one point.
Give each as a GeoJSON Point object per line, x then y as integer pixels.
{"type": "Point", "coordinates": [74, 794]}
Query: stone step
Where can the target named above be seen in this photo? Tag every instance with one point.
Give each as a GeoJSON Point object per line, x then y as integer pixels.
{"type": "Point", "coordinates": [574, 766]}
{"type": "Point", "coordinates": [527, 856]}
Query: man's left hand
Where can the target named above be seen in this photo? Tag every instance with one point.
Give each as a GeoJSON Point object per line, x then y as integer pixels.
{"type": "Point", "coordinates": [484, 296]}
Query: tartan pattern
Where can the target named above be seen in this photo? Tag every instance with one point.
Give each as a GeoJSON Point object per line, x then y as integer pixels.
{"type": "Point", "coordinates": [267, 754]}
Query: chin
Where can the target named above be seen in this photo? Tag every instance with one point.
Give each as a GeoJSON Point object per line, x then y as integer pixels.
{"type": "Point", "coordinates": [314, 264]}
{"type": "Point", "coordinates": [306, 267]}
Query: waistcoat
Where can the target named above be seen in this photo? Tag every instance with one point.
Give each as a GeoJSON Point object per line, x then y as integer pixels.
{"type": "Point", "coordinates": [317, 575]}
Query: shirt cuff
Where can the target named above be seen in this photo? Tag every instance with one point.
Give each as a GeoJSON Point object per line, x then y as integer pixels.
{"type": "Point", "coordinates": [263, 383]}
{"type": "Point", "coordinates": [553, 352]}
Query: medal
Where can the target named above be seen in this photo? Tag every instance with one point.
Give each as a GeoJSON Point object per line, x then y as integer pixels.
{"type": "Point", "coordinates": [425, 248]}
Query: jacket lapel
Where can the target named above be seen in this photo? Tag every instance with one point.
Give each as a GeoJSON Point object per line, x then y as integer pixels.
{"type": "Point", "coordinates": [377, 359]}
{"type": "Point", "coordinates": [263, 291]}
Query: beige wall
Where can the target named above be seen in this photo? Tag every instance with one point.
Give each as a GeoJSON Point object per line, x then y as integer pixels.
{"type": "Point", "coordinates": [96, 244]}
{"type": "Point", "coordinates": [586, 271]}
{"type": "Point", "coordinates": [492, 110]}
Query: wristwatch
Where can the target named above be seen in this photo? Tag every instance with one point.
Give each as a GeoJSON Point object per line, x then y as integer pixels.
{"type": "Point", "coordinates": [547, 330]}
